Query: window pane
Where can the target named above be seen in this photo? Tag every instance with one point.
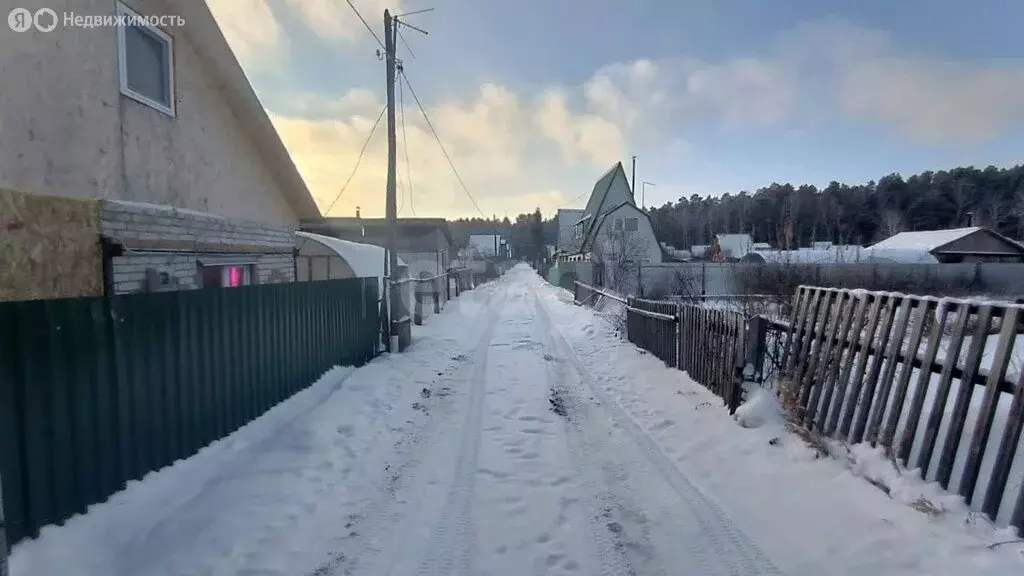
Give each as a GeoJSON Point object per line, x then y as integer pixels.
{"type": "Point", "coordinates": [146, 62]}
{"type": "Point", "coordinates": [631, 224]}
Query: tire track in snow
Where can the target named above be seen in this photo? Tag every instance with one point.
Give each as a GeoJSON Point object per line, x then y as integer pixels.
{"type": "Point", "coordinates": [393, 542]}
{"type": "Point", "coordinates": [376, 539]}
{"type": "Point", "coordinates": [453, 540]}
{"type": "Point", "coordinates": [734, 553]}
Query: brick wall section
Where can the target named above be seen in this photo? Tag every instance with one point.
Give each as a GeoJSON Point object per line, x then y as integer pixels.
{"type": "Point", "coordinates": [138, 225]}
{"type": "Point", "coordinates": [143, 228]}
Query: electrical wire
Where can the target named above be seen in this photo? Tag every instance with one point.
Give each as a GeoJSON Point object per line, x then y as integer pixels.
{"type": "Point", "coordinates": [441, 145]}
{"type": "Point", "coordinates": [405, 141]}
{"type": "Point", "coordinates": [359, 159]}
{"type": "Point", "coordinates": [363, 20]}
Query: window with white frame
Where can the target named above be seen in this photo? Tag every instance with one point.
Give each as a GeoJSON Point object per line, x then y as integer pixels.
{"type": "Point", "coordinates": [146, 62]}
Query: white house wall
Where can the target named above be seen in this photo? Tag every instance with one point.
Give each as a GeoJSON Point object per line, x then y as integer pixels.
{"type": "Point", "coordinates": [65, 128]}
{"type": "Point", "coordinates": [647, 243]}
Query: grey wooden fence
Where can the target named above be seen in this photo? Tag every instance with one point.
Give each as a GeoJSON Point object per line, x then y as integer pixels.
{"type": "Point", "coordinates": [711, 350]}
{"type": "Point", "coordinates": [862, 366]}
{"type": "Point", "coordinates": [707, 343]}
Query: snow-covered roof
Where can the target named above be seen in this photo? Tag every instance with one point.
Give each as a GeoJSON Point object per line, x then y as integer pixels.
{"type": "Point", "coordinates": [365, 260]}
{"type": "Point", "coordinates": [735, 245]}
{"type": "Point", "coordinates": [926, 240]}
{"type": "Point", "coordinates": [761, 246]}
{"type": "Point", "coordinates": [699, 250]}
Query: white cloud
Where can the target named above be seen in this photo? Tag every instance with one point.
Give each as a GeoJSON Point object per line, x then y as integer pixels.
{"type": "Point", "coordinates": [744, 91]}
{"type": "Point", "coordinates": [934, 102]}
{"type": "Point", "coordinates": [251, 30]}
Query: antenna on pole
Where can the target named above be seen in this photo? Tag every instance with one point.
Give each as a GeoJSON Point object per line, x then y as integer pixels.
{"type": "Point", "coordinates": [643, 193]}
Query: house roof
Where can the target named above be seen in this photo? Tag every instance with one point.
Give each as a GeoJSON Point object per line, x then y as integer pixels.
{"type": "Point", "coordinates": [598, 196]}
{"type": "Point", "coordinates": [926, 240]}
{"type": "Point", "coordinates": [227, 77]}
{"type": "Point", "coordinates": [407, 226]}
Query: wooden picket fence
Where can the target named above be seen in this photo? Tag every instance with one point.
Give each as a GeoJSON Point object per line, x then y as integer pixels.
{"type": "Point", "coordinates": [707, 343]}
{"type": "Point", "coordinates": [711, 350]}
{"type": "Point", "coordinates": [861, 367]}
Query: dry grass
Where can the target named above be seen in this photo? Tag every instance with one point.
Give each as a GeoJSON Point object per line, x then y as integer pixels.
{"type": "Point", "coordinates": [789, 395]}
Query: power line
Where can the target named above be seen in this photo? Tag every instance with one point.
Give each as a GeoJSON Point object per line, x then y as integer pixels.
{"type": "Point", "coordinates": [441, 145]}
{"type": "Point", "coordinates": [358, 160]}
{"type": "Point", "coordinates": [363, 20]}
{"type": "Point", "coordinates": [407, 47]}
{"type": "Point", "coordinates": [405, 140]}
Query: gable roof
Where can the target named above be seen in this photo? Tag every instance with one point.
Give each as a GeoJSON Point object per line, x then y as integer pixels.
{"type": "Point", "coordinates": [227, 77]}
{"type": "Point", "coordinates": [598, 196]}
{"type": "Point", "coordinates": [932, 240]}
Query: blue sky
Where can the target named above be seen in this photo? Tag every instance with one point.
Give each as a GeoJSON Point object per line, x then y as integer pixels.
{"type": "Point", "coordinates": [535, 99]}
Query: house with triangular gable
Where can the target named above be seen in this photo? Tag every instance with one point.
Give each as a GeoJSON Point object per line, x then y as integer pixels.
{"type": "Point", "coordinates": [613, 230]}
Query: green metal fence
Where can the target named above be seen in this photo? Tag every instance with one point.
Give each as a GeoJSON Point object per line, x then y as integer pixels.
{"type": "Point", "coordinates": [95, 392]}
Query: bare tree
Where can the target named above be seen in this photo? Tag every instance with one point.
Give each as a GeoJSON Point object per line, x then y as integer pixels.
{"type": "Point", "coordinates": [620, 254]}
{"type": "Point", "coordinates": [891, 224]}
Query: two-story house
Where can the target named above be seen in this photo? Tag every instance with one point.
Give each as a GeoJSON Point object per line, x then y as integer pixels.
{"type": "Point", "coordinates": [137, 157]}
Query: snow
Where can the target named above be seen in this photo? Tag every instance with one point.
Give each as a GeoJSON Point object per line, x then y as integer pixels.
{"type": "Point", "coordinates": [517, 435]}
{"type": "Point", "coordinates": [365, 260]}
{"type": "Point", "coordinates": [735, 245]}
{"type": "Point", "coordinates": [845, 254]}
{"type": "Point", "coordinates": [926, 241]}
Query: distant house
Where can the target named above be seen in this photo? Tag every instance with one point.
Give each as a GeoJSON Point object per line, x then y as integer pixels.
{"type": "Point", "coordinates": [700, 251]}
{"type": "Point", "coordinates": [424, 244]}
{"type": "Point", "coordinates": [488, 246]}
{"type": "Point", "coordinates": [162, 172]}
{"type": "Point", "coordinates": [974, 244]}
{"type": "Point", "coordinates": [613, 226]}
{"type": "Point", "coordinates": [566, 241]}
{"type": "Point", "coordinates": [731, 247]}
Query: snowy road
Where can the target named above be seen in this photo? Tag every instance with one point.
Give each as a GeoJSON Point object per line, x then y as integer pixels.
{"type": "Point", "coordinates": [505, 443]}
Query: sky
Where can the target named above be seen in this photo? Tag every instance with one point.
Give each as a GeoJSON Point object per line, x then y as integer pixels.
{"type": "Point", "coordinates": [533, 100]}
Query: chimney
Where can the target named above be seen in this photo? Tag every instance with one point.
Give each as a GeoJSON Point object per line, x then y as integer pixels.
{"type": "Point", "coordinates": [970, 219]}
{"type": "Point", "coordinates": [357, 211]}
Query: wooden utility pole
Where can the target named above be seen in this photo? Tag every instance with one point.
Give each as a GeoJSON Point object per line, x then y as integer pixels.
{"type": "Point", "coordinates": [390, 207]}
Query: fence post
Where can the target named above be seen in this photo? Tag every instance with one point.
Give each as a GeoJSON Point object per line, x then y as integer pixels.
{"type": "Point", "coordinates": [417, 314]}
{"type": "Point", "coordinates": [437, 301]}
{"type": "Point", "coordinates": [757, 341]}
{"type": "Point", "coordinates": [679, 335]}
{"type": "Point", "coordinates": [3, 534]}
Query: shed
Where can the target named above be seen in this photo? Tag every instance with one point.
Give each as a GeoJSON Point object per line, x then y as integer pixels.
{"type": "Point", "coordinates": [973, 244]}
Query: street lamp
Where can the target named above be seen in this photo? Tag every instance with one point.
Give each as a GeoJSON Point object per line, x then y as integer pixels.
{"type": "Point", "coordinates": [643, 194]}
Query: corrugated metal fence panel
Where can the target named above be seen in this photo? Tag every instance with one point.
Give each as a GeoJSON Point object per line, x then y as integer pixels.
{"type": "Point", "coordinates": [91, 396]}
